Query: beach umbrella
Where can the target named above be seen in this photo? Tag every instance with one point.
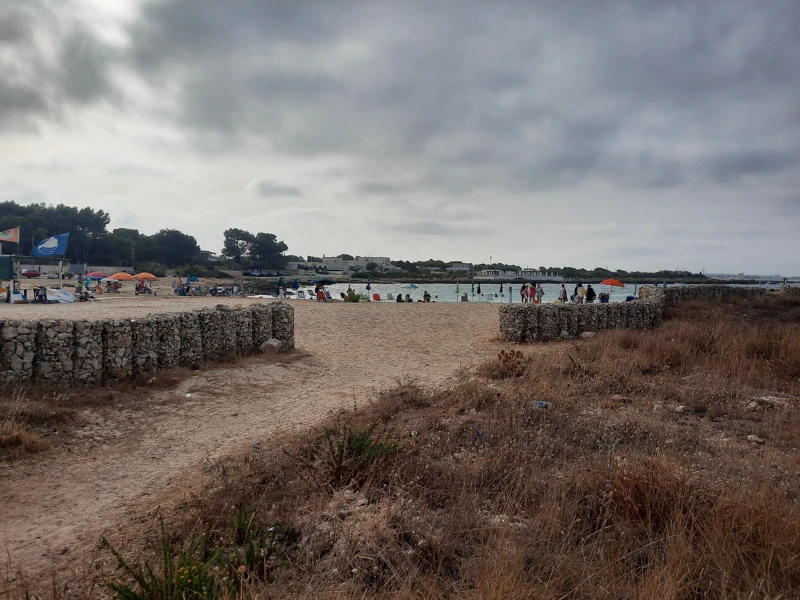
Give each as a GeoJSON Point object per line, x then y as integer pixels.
{"type": "Point", "coordinates": [121, 276]}
{"type": "Point", "coordinates": [612, 283]}
{"type": "Point", "coordinates": [145, 277]}
{"type": "Point", "coordinates": [96, 275]}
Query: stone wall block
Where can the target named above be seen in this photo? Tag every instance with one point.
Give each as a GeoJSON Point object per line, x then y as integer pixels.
{"type": "Point", "coordinates": [168, 337]}
{"type": "Point", "coordinates": [87, 351]}
{"type": "Point", "coordinates": [117, 348]}
{"type": "Point", "coordinates": [283, 325]}
{"type": "Point", "coordinates": [191, 352]}
{"type": "Point", "coordinates": [53, 360]}
{"type": "Point", "coordinates": [145, 344]}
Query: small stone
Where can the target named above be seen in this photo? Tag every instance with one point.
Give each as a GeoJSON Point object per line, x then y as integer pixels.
{"type": "Point", "coordinates": [681, 409]}
{"type": "Point", "coordinates": [271, 346]}
{"type": "Point", "coordinates": [621, 398]}
{"type": "Point", "coordinates": [587, 334]}
{"type": "Point", "coordinates": [362, 502]}
{"type": "Point", "coordinates": [752, 406]}
{"type": "Point", "coordinates": [755, 439]}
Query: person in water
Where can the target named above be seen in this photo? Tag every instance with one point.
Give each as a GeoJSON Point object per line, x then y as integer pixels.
{"type": "Point", "coordinates": [408, 298]}
{"type": "Point", "coordinates": [399, 297]}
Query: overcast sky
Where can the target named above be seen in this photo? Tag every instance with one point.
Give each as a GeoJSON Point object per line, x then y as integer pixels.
{"type": "Point", "coordinates": [627, 134]}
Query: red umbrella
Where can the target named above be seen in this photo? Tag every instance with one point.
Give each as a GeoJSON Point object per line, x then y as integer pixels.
{"type": "Point", "coordinates": [612, 282]}
{"type": "Point", "coordinates": [95, 274]}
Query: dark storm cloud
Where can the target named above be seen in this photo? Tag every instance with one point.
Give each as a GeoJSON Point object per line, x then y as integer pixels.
{"type": "Point", "coordinates": [38, 81]}
{"type": "Point", "coordinates": [630, 93]}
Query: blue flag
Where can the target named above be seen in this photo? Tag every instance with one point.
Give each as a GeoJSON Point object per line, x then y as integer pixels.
{"type": "Point", "coordinates": [55, 245]}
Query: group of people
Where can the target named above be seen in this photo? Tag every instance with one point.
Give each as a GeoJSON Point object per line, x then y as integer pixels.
{"type": "Point", "coordinates": [580, 294]}
{"type": "Point", "coordinates": [426, 297]}
{"type": "Point", "coordinates": [531, 293]}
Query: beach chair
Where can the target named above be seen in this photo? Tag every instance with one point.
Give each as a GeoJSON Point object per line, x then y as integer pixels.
{"type": "Point", "coordinates": [376, 297]}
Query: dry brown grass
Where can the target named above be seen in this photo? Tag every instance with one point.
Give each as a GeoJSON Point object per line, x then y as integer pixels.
{"type": "Point", "coordinates": [15, 435]}
{"type": "Point", "coordinates": [613, 492]}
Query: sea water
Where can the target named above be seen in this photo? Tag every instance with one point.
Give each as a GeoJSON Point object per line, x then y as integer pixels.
{"type": "Point", "coordinates": [489, 292]}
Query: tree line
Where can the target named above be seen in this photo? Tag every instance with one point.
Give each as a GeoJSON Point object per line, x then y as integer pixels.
{"type": "Point", "coordinates": [91, 242]}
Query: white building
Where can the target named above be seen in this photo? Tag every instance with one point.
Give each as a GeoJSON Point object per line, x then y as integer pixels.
{"type": "Point", "coordinates": [359, 263]}
{"type": "Point", "coordinates": [524, 275]}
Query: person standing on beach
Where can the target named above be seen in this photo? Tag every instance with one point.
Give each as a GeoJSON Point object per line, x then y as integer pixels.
{"type": "Point", "coordinates": [590, 293]}
{"type": "Point", "coordinates": [532, 293]}
{"type": "Point", "coordinates": [579, 293]}
{"type": "Point", "coordinates": [539, 293]}
{"type": "Point", "coordinates": [562, 295]}
{"type": "Point", "coordinates": [523, 294]}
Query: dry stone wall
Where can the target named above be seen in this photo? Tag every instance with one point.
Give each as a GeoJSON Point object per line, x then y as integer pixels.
{"type": "Point", "coordinates": [543, 322]}
{"type": "Point", "coordinates": [90, 352]}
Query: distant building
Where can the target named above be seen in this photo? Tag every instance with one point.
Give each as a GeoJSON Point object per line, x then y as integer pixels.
{"type": "Point", "coordinates": [459, 267]}
{"type": "Point", "coordinates": [359, 263]}
{"type": "Point", "coordinates": [207, 256]}
{"type": "Point", "coordinates": [524, 274]}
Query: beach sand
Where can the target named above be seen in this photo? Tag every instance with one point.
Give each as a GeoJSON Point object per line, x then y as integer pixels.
{"type": "Point", "coordinates": [148, 448]}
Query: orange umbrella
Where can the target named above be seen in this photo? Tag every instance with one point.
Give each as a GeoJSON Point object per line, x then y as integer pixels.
{"type": "Point", "coordinates": [145, 277]}
{"type": "Point", "coordinates": [612, 282]}
{"type": "Point", "coordinates": [121, 277]}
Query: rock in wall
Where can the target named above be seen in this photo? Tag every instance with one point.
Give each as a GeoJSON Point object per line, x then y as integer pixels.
{"type": "Point", "coordinates": [244, 332]}
{"type": "Point", "coordinates": [283, 325]}
{"type": "Point", "coordinates": [587, 318]}
{"type": "Point", "coordinates": [211, 332]}
{"type": "Point", "coordinates": [144, 355]}
{"type": "Point", "coordinates": [168, 336]}
{"type": "Point", "coordinates": [53, 351]}
{"type": "Point", "coordinates": [191, 354]}
{"type": "Point", "coordinates": [117, 349]}
{"type": "Point", "coordinates": [262, 324]}
{"type": "Point", "coordinates": [17, 351]}
{"type": "Point", "coordinates": [87, 351]}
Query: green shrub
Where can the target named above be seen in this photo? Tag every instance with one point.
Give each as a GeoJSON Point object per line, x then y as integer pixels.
{"type": "Point", "coordinates": [342, 454]}
{"type": "Point", "coordinates": [256, 543]}
{"type": "Point", "coordinates": [186, 576]}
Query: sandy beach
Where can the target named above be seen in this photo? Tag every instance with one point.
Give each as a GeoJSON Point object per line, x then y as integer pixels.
{"type": "Point", "coordinates": [149, 447]}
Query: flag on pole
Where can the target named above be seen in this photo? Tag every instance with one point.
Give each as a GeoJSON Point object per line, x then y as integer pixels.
{"type": "Point", "coordinates": [55, 245]}
{"type": "Point", "coordinates": [10, 235]}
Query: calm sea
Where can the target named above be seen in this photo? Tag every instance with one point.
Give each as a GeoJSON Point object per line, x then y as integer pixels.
{"type": "Point", "coordinates": [489, 292]}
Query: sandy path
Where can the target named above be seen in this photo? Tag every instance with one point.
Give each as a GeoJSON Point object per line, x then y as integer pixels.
{"type": "Point", "coordinates": [130, 457]}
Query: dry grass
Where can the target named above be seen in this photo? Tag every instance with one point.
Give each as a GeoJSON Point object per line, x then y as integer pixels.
{"type": "Point", "coordinates": [638, 482]}
{"type": "Point", "coordinates": [15, 435]}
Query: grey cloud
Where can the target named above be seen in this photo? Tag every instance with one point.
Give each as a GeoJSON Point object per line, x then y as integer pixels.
{"type": "Point", "coordinates": [17, 102]}
{"type": "Point", "coordinates": [12, 27]}
{"type": "Point", "coordinates": [439, 228]}
{"type": "Point", "coordinates": [41, 82]}
{"type": "Point", "coordinates": [84, 75]}
{"type": "Point", "coordinates": [267, 189]}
